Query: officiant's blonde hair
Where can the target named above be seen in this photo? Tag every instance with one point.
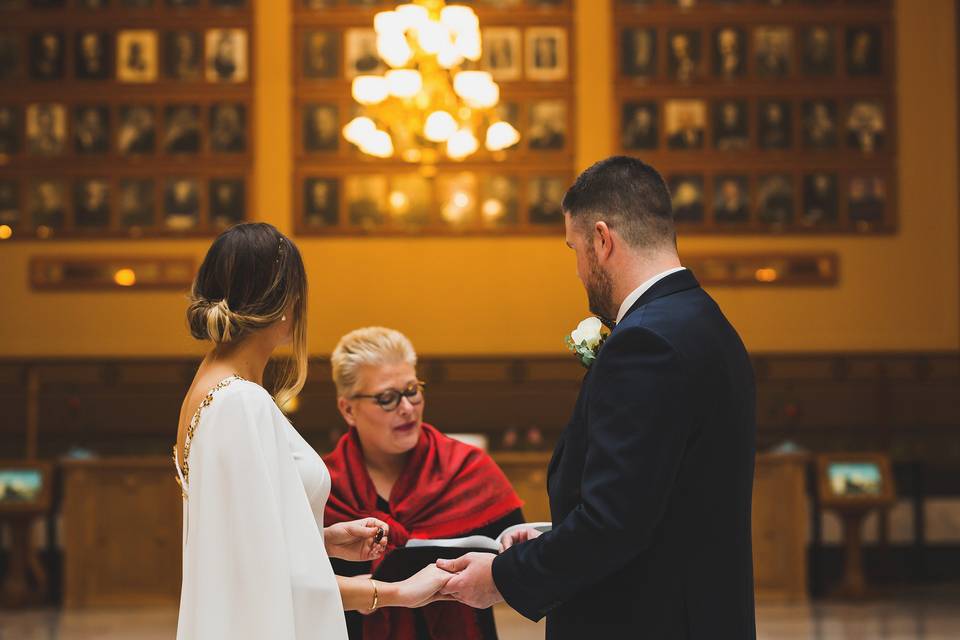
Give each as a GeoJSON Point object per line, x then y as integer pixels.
{"type": "Point", "coordinates": [251, 277]}
{"type": "Point", "coordinates": [368, 347]}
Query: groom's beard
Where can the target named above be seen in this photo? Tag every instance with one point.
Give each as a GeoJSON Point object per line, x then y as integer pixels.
{"type": "Point", "coordinates": [599, 288]}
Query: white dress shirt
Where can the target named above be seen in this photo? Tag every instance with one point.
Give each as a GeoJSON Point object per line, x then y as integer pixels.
{"type": "Point", "coordinates": [642, 289]}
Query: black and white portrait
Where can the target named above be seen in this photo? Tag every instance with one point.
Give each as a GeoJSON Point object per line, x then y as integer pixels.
{"type": "Point", "coordinates": [819, 199]}
{"type": "Point", "coordinates": [47, 55]}
{"type": "Point", "coordinates": [136, 130]}
{"type": "Point", "coordinates": [182, 53]}
{"type": "Point", "coordinates": [499, 200]}
{"type": "Point", "coordinates": [181, 128]}
{"type": "Point", "coordinates": [501, 52]}
{"type": "Point", "coordinates": [546, 49]}
{"type": "Point", "coordinates": [548, 125]}
{"type": "Point", "coordinates": [775, 126]}
{"type": "Point", "coordinates": [91, 129]}
{"type": "Point", "coordinates": [775, 199]}
{"type": "Point", "coordinates": [228, 201]}
{"type": "Point", "coordinates": [686, 191]}
{"type": "Point", "coordinates": [137, 56]}
{"type": "Point", "coordinates": [135, 202]}
{"type": "Point", "coordinates": [10, 203]}
{"type": "Point", "coordinates": [10, 56]}
{"type": "Point", "coordinates": [819, 124]}
{"type": "Point", "coordinates": [321, 128]}
{"type": "Point", "coordinates": [773, 48]}
{"type": "Point", "coordinates": [226, 55]}
{"type": "Point", "coordinates": [11, 124]}
{"type": "Point", "coordinates": [686, 123]}
{"type": "Point", "coordinates": [228, 128]}
{"type": "Point", "coordinates": [863, 51]}
{"type": "Point", "coordinates": [641, 126]}
{"type": "Point", "coordinates": [867, 199]}
{"type": "Point", "coordinates": [731, 201]}
{"type": "Point", "coordinates": [321, 201]}
{"type": "Point", "coordinates": [545, 194]}
{"type": "Point", "coordinates": [320, 54]}
{"type": "Point", "coordinates": [136, 4]}
{"type": "Point", "coordinates": [92, 55]}
{"type": "Point", "coordinates": [731, 130]}
{"type": "Point", "coordinates": [639, 54]}
{"type": "Point", "coordinates": [684, 51]}
{"type": "Point", "coordinates": [94, 4]}
{"type": "Point", "coordinates": [866, 126]}
{"type": "Point", "coordinates": [819, 51]}
{"type": "Point", "coordinates": [47, 203]}
{"type": "Point", "coordinates": [229, 4]}
{"type": "Point", "coordinates": [91, 202]}
{"type": "Point", "coordinates": [361, 53]}
{"type": "Point", "coordinates": [182, 4]}
{"type": "Point", "coordinates": [366, 197]}
{"type": "Point", "coordinates": [181, 204]}
{"type": "Point", "coordinates": [46, 129]}
{"type": "Point", "coordinates": [729, 52]}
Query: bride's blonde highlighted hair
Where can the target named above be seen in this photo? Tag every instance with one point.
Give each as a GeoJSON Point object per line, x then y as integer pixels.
{"type": "Point", "coordinates": [251, 276]}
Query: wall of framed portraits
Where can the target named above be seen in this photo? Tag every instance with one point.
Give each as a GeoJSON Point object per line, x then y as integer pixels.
{"type": "Point", "coordinates": [124, 118]}
{"type": "Point", "coordinates": [516, 293]}
{"type": "Point", "coordinates": [766, 117]}
{"type": "Point", "coordinates": [527, 47]}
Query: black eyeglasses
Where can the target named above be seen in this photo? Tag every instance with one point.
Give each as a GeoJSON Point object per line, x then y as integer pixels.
{"type": "Point", "coordinates": [390, 399]}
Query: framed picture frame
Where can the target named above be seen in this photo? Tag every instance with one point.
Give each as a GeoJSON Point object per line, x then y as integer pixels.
{"type": "Point", "coordinates": [25, 487]}
{"type": "Point", "coordinates": [855, 480]}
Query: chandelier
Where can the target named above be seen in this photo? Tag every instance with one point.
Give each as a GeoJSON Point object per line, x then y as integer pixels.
{"type": "Point", "coordinates": [427, 102]}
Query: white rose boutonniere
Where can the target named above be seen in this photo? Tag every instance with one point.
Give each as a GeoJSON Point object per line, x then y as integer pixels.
{"type": "Point", "coordinates": [585, 340]}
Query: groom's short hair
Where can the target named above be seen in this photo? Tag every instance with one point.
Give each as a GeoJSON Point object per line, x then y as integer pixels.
{"type": "Point", "coordinates": [629, 195]}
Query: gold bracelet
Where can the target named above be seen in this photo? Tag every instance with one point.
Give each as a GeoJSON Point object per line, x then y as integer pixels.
{"type": "Point", "coordinates": [376, 596]}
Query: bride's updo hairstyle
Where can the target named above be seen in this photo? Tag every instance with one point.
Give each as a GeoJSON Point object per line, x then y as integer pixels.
{"type": "Point", "coordinates": [251, 276]}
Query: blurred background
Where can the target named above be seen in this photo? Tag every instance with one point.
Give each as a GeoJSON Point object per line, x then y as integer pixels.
{"type": "Point", "coordinates": [417, 159]}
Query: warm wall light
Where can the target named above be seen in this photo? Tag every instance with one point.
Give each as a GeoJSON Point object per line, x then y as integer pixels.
{"type": "Point", "coordinates": [125, 277]}
{"type": "Point", "coordinates": [5, 232]}
{"type": "Point", "coordinates": [766, 274]}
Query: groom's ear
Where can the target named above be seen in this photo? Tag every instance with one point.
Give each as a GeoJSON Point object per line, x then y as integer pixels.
{"type": "Point", "coordinates": [602, 239]}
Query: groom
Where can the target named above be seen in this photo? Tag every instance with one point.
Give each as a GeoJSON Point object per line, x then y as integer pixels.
{"type": "Point", "coordinates": [650, 484]}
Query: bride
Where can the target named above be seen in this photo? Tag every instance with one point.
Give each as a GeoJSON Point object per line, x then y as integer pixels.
{"type": "Point", "coordinates": [255, 551]}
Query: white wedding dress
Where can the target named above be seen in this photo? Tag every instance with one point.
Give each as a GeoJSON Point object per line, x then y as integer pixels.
{"type": "Point", "coordinates": [254, 563]}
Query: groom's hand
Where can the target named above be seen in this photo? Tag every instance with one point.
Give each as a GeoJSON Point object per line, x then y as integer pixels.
{"type": "Point", "coordinates": [473, 583]}
{"type": "Point", "coordinates": [518, 536]}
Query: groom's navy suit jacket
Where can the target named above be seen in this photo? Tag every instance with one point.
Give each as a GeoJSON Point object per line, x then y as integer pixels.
{"type": "Point", "coordinates": [650, 485]}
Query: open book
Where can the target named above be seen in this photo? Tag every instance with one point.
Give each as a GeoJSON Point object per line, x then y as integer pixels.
{"type": "Point", "coordinates": [402, 563]}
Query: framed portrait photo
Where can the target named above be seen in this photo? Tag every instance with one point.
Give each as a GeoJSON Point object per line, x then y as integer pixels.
{"type": "Point", "coordinates": [501, 52]}
{"type": "Point", "coordinates": [546, 53]}
{"type": "Point", "coordinates": [137, 55]}
{"type": "Point", "coordinates": [638, 52]}
{"type": "Point", "coordinates": [91, 55]}
{"type": "Point", "coordinates": [226, 55]}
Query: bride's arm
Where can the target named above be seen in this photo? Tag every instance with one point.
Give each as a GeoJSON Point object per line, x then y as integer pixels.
{"type": "Point", "coordinates": [360, 592]}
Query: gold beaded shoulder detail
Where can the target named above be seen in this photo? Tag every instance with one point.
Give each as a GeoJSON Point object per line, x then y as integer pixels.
{"type": "Point", "coordinates": [184, 465]}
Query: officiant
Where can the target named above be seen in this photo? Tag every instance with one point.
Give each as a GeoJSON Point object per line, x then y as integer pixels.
{"type": "Point", "coordinates": [393, 466]}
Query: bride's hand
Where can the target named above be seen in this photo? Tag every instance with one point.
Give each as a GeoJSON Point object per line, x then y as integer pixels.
{"type": "Point", "coordinates": [356, 540]}
{"type": "Point", "coordinates": [423, 587]}
{"type": "Point", "coordinates": [518, 536]}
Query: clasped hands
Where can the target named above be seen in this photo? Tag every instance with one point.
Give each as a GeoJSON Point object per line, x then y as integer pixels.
{"type": "Point", "coordinates": [469, 578]}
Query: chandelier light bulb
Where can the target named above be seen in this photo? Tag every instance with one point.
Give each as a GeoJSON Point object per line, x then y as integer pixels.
{"type": "Point", "coordinates": [449, 57]}
{"type": "Point", "coordinates": [469, 84]}
{"type": "Point", "coordinates": [492, 209]}
{"type": "Point", "coordinates": [370, 90]}
{"type": "Point", "coordinates": [459, 19]}
{"type": "Point", "coordinates": [357, 129]}
{"type": "Point", "coordinates": [404, 83]}
{"type": "Point", "coordinates": [388, 22]}
{"type": "Point", "coordinates": [439, 126]}
{"type": "Point", "coordinates": [501, 135]}
{"type": "Point", "coordinates": [432, 36]}
{"type": "Point", "coordinates": [468, 45]}
{"type": "Point", "coordinates": [378, 144]}
{"type": "Point", "coordinates": [412, 16]}
{"type": "Point", "coordinates": [393, 48]}
{"type": "Point", "coordinates": [461, 144]}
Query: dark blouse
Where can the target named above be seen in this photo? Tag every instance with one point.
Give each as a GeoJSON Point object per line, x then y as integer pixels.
{"type": "Point", "coordinates": [484, 616]}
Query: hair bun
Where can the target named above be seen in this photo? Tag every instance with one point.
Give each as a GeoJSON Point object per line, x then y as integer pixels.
{"type": "Point", "coordinates": [212, 320]}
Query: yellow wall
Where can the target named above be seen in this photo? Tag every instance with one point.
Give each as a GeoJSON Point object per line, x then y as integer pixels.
{"type": "Point", "coordinates": [520, 295]}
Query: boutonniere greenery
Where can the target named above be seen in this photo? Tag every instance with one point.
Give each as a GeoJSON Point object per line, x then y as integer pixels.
{"type": "Point", "coordinates": [586, 339]}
